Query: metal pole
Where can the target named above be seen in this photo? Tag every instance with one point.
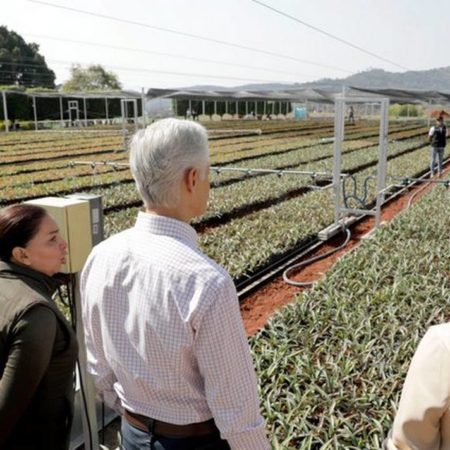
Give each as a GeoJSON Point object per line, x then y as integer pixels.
{"type": "Point", "coordinates": [88, 413]}
{"type": "Point", "coordinates": [61, 112]}
{"type": "Point", "coordinates": [246, 107]}
{"type": "Point", "coordinates": [136, 122]}
{"type": "Point", "coordinates": [264, 107]}
{"type": "Point", "coordinates": [215, 107]}
{"type": "Point", "coordinates": [203, 107]}
{"type": "Point", "coordinates": [5, 112]}
{"type": "Point", "coordinates": [237, 108]}
{"type": "Point", "coordinates": [382, 158]}
{"type": "Point", "coordinates": [337, 149]}
{"type": "Point", "coordinates": [106, 108]}
{"type": "Point", "coordinates": [429, 112]}
{"type": "Point", "coordinates": [144, 111]}
{"type": "Point", "coordinates": [35, 113]}
{"type": "Point", "coordinates": [85, 111]}
{"type": "Point", "coordinates": [124, 114]}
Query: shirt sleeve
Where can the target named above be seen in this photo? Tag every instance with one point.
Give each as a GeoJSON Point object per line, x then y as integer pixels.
{"type": "Point", "coordinates": [224, 359]}
{"type": "Point", "coordinates": [431, 132]}
{"type": "Point", "coordinates": [30, 350]}
{"type": "Point", "coordinates": [97, 364]}
{"type": "Point", "coordinates": [425, 397]}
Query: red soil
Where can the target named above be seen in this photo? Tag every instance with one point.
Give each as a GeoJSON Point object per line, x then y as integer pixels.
{"type": "Point", "coordinates": [261, 305]}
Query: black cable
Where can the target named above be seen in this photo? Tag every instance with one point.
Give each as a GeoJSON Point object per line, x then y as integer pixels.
{"type": "Point", "coordinates": [170, 55]}
{"type": "Point", "coordinates": [332, 36]}
{"type": "Point", "coordinates": [182, 33]}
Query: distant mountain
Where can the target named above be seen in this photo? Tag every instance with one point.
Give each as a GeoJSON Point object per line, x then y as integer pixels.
{"type": "Point", "coordinates": [433, 79]}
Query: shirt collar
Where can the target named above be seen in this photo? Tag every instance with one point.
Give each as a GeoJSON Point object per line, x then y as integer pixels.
{"type": "Point", "coordinates": [151, 223]}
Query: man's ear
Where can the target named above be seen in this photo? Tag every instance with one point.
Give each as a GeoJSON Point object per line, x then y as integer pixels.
{"type": "Point", "coordinates": [191, 178]}
{"type": "Point", "coordinates": [20, 255]}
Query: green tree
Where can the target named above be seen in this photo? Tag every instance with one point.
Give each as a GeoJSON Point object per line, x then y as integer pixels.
{"type": "Point", "coordinates": [93, 78]}
{"type": "Point", "coordinates": [21, 64]}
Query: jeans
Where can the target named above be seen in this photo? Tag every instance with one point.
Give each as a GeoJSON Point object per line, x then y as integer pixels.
{"type": "Point", "coordinates": [436, 153]}
{"type": "Point", "coordinates": [135, 439]}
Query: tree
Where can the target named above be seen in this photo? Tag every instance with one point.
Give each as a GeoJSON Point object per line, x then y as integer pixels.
{"type": "Point", "coordinates": [93, 78]}
{"type": "Point", "coordinates": [21, 64]}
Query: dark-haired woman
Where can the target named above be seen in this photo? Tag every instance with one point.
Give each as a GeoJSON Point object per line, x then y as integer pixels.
{"type": "Point", "coordinates": [38, 348]}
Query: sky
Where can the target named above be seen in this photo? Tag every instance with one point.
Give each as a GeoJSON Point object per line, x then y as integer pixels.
{"type": "Point", "coordinates": [175, 43]}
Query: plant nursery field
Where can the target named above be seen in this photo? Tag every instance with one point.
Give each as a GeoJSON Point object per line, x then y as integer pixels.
{"type": "Point", "coordinates": [330, 365]}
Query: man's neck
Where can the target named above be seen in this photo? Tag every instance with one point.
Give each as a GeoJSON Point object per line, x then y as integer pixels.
{"type": "Point", "coordinates": [173, 213]}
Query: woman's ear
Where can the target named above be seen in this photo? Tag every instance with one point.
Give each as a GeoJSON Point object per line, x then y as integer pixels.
{"type": "Point", "coordinates": [19, 254]}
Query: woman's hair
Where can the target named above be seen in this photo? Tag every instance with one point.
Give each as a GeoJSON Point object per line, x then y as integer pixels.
{"type": "Point", "coordinates": [160, 155]}
{"type": "Point", "coordinates": [18, 225]}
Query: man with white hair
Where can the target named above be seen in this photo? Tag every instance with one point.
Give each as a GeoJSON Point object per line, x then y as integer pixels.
{"type": "Point", "coordinates": [164, 335]}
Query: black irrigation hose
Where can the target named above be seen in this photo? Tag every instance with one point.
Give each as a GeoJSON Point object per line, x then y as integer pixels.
{"type": "Point", "coordinates": [289, 270]}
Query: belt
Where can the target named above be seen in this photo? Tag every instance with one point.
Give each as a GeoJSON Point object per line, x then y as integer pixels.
{"type": "Point", "coordinates": [161, 428]}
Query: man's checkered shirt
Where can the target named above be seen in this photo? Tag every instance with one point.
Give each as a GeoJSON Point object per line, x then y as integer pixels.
{"type": "Point", "coordinates": [164, 334]}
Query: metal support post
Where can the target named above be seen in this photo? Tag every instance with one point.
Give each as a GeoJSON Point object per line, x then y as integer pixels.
{"type": "Point", "coordinates": [144, 111]}
{"type": "Point", "coordinates": [106, 109]}
{"type": "Point", "coordinates": [5, 112]}
{"type": "Point", "coordinates": [429, 113]}
{"type": "Point", "coordinates": [35, 113]}
{"type": "Point", "coordinates": [85, 111]}
{"type": "Point", "coordinates": [203, 107]}
{"type": "Point", "coordinates": [264, 107]}
{"type": "Point", "coordinates": [215, 107]}
{"type": "Point", "coordinates": [337, 150]}
{"type": "Point", "coordinates": [61, 111]}
{"type": "Point", "coordinates": [124, 112]}
{"type": "Point", "coordinates": [237, 108]}
{"type": "Point", "coordinates": [136, 121]}
{"type": "Point", "coordinates": [88, 413]}
{"type": "Point", "coordinates": [382, 158]}
{"type": "Point", "coordinates": [246, 108]}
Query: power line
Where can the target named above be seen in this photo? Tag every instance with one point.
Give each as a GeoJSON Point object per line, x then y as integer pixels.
{"type": "Point", "coordinates": [326, 33]}
{"type": "Point", "coordinates": [165, 72]}
{"type": "Point", "coordinates": [190, 35]}
{"type": "Point", "coordinates": [172, 55]}
{"type": "Point", "coordinates": [144, 70]}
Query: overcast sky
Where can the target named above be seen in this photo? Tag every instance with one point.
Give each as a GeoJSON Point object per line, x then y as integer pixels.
{"type": "Point", "coordinates": [410, 34]}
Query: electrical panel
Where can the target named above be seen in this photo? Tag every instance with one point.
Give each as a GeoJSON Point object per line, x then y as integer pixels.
{"type": "Point", "coordinates": [96, 211]}
{"type": "Point", "coordinates": [73, 218]}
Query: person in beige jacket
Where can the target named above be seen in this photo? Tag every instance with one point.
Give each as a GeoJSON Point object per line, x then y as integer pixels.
{"type": "Point", "coordinates": [422, 421]}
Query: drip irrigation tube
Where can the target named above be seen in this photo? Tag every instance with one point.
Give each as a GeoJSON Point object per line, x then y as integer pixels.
{"type": "Point", "coordinates": [289, 270]}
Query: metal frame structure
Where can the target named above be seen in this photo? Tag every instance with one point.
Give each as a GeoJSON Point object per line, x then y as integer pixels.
{"type": "Point", "coordinates": [69, 95]}
{"type": "Point", "coordinates": [339, 121]}
{"type": "Point", "coordinates": [124, 111]}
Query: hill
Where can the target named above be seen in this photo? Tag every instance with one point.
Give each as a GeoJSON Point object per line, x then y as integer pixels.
{"type": "Point", "coordinates": [433, 79]}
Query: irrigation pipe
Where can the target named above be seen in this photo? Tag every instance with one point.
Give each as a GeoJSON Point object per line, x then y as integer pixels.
{"type": "Point", "coordinates": [289, 270]}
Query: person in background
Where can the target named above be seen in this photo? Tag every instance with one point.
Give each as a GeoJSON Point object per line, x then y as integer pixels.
{"type": "Point", "coordinates": [165, 340]}
{"type": "Point", "coordinates": [438, 139]}
{"type": "Point", "coordinates": [351, 115]}
{"type": "Point", "coordinates": [38, 348]}
{"type": "Point", "coordinates": [422, 421]}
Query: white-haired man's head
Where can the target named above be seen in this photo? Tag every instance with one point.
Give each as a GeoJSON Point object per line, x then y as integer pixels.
{"type": "Point", "coordinates": [162, 155]}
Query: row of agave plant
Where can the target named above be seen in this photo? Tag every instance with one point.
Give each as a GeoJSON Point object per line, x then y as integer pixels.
{"type": "Point", "coordinates": [331, 365]}
{"type": "Point", "coordinates": [31, 180]}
